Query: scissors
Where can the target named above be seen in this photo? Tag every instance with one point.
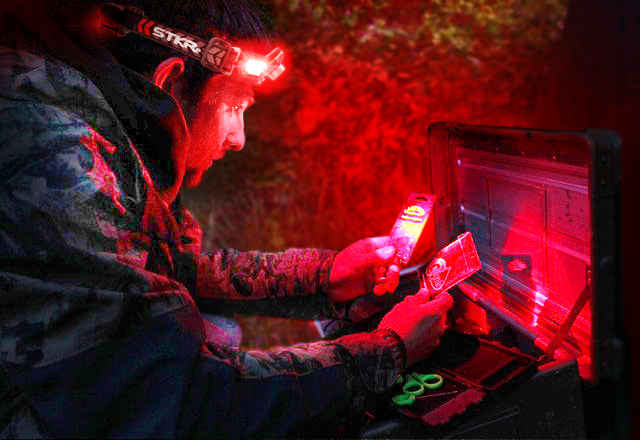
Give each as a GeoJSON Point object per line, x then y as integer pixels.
{"type": "Point", "coordinates": [415, 385]}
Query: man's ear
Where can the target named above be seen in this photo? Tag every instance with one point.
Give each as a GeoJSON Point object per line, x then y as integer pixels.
{"type": "Point", "coordinates": [167, 72]}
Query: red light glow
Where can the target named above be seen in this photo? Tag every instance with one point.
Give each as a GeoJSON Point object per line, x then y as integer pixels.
{"type": "Point", "coordinates": [255, 67]}
{"type": "Point", "coordinates": [539, 301]}
{"type": "Point", "coordinates": [100, 173]}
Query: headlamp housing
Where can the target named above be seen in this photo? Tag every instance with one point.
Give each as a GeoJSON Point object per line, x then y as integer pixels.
{"type": "Point", "coordinates": [220, 56]}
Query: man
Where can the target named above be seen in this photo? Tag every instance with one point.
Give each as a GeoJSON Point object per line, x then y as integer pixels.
{"type": "Point", "coordinates": [102, 279]}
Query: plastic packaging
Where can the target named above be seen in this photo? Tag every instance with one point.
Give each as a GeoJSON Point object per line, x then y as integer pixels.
{"type": "Point", "coordinates": [409, 225]}
{"type": "Point", "coordinates": [454, 263]}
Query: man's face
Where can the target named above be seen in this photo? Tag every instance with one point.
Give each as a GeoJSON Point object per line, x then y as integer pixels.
{"type": "Point", "coordinates": [217, 124]}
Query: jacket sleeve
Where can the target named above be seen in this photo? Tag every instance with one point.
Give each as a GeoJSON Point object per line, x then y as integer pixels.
{"type": "Point", "coordinates": [292, 283]}
{"type": "Point", "coordinates": [305, 388]}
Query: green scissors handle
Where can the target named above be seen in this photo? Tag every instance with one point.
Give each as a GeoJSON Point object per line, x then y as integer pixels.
{"type": "Point", "coordinates": [403, 399]}
{"type": "Point", "coordinates": [415, 385]}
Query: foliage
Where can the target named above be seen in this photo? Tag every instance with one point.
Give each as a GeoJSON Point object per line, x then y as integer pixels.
{"type": "Point", "coordinates": [366, 78]}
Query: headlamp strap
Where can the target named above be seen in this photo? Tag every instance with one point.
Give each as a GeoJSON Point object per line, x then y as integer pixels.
{"type": "Point", "coordinates": [216, 54]}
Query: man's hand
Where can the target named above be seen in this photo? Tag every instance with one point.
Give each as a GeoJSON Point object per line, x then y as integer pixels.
{"type": "Point", "coordinates": [363, 267]}
{"type": "Point", "coordinates": [419, 323]}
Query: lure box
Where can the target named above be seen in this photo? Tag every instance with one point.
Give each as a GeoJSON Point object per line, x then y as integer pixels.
{"type": "Point", "coordinates": [543, 209]}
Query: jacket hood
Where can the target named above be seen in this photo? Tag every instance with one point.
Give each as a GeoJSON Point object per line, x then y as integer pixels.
{"type": "Point", "coordinates": [151, 117]}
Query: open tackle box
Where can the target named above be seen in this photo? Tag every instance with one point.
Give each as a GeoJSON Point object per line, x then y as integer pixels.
{"type": "Point", "coordinates": [533, 339]}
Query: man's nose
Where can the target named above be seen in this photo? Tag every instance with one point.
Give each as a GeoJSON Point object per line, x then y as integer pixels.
{"type": "Point", "coordinates": [235, 138]}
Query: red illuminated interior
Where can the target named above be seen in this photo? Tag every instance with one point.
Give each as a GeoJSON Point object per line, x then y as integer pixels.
{"type": "Point", "coordinates": [529, 215]}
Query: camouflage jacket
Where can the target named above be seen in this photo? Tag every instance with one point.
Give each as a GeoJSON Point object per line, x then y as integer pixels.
{"type": "Point", "coordinates": [102, 282]}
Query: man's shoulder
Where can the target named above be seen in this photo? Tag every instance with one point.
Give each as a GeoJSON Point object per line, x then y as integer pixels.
{"type": "Point", "coordinates": [45, 101]}
{"type": "Point", "coordinates": [17, 62]}
{"type": "Point", "coordinates": [25, 74]}
{"type": "Point", "coordinates": [28, 80]}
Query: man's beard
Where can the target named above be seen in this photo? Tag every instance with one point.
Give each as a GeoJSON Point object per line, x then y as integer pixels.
{"type": "Point", "coordinates": [193, 177]}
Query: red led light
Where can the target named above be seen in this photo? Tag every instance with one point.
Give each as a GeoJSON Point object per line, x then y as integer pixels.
{"type": "Point", "coordinates": [255, 67]}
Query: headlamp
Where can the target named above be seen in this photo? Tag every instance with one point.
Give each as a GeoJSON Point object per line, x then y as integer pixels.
{"type": "Point", "coordinates": [217, 54]}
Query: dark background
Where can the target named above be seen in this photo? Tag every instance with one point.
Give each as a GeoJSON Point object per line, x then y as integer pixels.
{"type": "Point", "coordinates": [334, 148]}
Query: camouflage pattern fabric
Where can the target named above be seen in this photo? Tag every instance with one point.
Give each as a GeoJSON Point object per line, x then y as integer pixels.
{"type": "Point", "coordinates": [102, 282]}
